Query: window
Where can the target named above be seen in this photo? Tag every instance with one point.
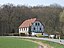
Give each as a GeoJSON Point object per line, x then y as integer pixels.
{"type": "Point", "coordinates": [34, 28]}
{"type": "Point", "coordinates": [38, 24]}
{"type": "Point", "coordinates": [20, 29]}
{"type": "Point", "coordinates": [24, 28]}
{"type": "Point", "coordinates": [40, 28]}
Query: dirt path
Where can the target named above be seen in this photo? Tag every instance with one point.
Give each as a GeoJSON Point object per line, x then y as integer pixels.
{"type": "Point", "coordinates": [41, 45]}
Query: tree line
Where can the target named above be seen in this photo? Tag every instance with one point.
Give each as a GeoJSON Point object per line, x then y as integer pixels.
{"type": "Point", "coordinates": [12, 16]}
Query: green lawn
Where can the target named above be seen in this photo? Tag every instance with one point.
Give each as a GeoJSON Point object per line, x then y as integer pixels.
{"type": "Point", "coordinates": [6, 42]}
{"type": "Point", "coordinates": [53, 44]}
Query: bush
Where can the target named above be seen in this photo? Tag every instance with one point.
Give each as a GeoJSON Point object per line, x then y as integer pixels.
{"type": "Point", "coordinates": [5, 34]}
{"type": "Point", "coordinates": [39, 35]}
{"type": "Point", "coordinates": [16, 34]}
{"type": "Point", "coordinates": [45, 36]}
{"type": "Point", "coordinates": [62, 37]}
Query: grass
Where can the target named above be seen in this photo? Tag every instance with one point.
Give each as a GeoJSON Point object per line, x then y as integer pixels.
{"type": "Point", "coordinates": [53, 44]}
{"type": "Point", "coordinates": [6, 42]}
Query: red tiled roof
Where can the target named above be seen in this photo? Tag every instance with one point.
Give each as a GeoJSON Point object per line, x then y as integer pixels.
{"type": "Point", "coordinates": [27, 23]}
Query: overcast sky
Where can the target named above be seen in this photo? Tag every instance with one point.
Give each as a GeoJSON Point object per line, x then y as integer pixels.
{"type": "Point", "coordinates": [32, 2]}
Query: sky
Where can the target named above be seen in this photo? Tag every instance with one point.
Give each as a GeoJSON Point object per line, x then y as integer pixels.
{"type": "Point", "coordinates": [32, 2]}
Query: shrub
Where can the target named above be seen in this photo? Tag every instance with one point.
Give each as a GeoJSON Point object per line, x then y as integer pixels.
{"type": "Point", "coordinates": [62, 37]}
{"type": "Point", "coordinates": [39, 35]}
{"type": "Point", "coordinates": [16, 34]}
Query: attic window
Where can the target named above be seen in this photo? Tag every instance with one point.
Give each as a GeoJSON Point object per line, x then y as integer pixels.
{"type": "Point", "coordinates": [36, 24]}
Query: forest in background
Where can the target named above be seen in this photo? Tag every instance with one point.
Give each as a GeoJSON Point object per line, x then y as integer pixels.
{"type": "Point", "coordinates": [12, 16]}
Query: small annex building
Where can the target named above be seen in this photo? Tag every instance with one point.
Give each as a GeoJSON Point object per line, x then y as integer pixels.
{"type": "Point", "coordinates": [31, 27]}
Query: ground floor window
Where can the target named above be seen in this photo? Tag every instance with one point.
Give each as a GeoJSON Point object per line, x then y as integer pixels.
{"type": "Point", "coordinates": [40, 28]}
{"type": "Point", "coordinates": [34, 28]}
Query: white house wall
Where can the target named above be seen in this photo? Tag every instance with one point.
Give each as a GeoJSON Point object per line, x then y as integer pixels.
{"type": "Point", "coordinates": [23, 30]}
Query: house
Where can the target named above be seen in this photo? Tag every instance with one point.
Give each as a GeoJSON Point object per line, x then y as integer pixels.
{"type": "Point", "coordinates": [31, 27]}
